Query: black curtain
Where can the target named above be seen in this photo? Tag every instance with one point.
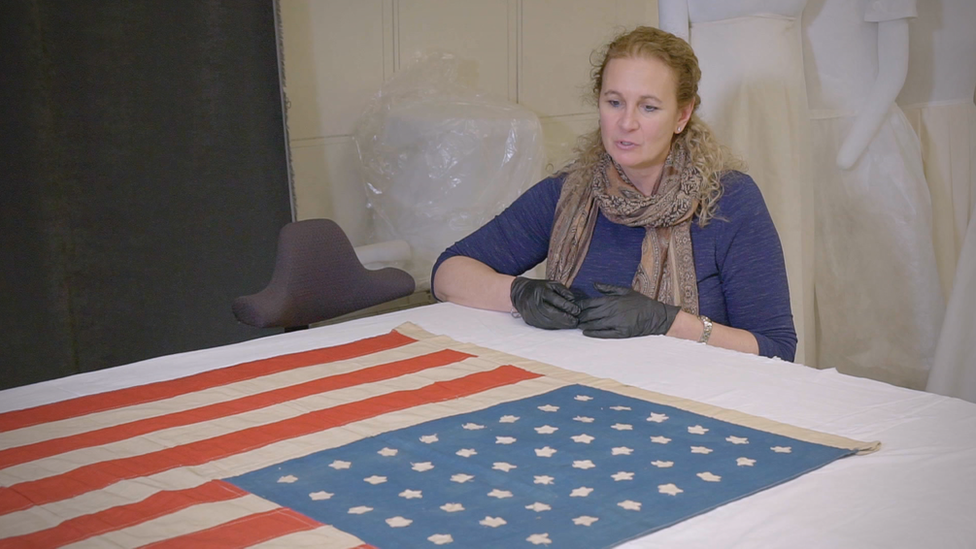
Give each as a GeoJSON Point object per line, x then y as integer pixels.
{"type": "Point", "coordinates": [144, 178]}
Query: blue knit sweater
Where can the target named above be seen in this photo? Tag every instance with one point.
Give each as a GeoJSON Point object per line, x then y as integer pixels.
{"type": "Point", "coordinates": [738, 257]}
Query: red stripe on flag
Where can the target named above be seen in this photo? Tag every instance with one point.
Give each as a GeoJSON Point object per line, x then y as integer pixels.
{"type": "Point", "coordinates": [99, 475]}
{"type": "Point", "coordinates": [243, 532]}
{"type": "Point", "coordinates": [85, 405]}
{"type": "Point", "coordinates": [47, 448]}
{"type": "Point", "coordinates": [123, 516]}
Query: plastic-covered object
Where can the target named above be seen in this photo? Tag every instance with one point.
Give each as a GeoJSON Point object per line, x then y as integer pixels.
{"type": "Point", "coordinates": [440, 159]}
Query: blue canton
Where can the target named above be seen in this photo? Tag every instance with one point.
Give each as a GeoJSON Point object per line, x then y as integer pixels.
{"type": "Point", "coordinates": [576, 467]}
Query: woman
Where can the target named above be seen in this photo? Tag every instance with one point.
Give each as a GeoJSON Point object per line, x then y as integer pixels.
{"type": "Point", "coordinates": [648, 231]}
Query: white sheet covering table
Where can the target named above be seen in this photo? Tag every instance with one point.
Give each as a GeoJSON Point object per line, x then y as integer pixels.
{"type": "Point", "coordinates": [918, 490]}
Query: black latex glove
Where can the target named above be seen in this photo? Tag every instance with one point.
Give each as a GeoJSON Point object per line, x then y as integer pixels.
{"type": "Point", "coordinates": [544, 303]}
{"type": "Point", "coordinates": [624, 312]}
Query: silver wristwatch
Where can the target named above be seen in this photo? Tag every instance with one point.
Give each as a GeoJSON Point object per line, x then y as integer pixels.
{"type": "Point", "coordinates": [707, 332]}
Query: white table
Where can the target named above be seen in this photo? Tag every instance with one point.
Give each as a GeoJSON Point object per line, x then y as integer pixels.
{"type": "Point", "coordinates": [919, 490]}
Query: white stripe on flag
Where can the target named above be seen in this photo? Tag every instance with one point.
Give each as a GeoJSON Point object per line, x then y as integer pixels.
{"type": "Point", "coordinates": [319, 538]}
{"type": "Point", "coordinates": [185, 521]}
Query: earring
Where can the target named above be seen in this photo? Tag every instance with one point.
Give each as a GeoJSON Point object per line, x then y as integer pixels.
{"type": "Point", "coordinates": [680, 128]}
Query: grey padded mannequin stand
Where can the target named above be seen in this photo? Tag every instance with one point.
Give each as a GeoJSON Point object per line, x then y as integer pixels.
{"type": "Point", "coordinates": [317, 276]}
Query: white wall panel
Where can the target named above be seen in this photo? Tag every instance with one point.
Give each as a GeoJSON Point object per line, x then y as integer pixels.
{"type": "Point", "coordinates": [557, 39]}
{"type": "Point", "coordinates": [334, 61]}
{"type": "Point", "coordinates": [329, 183]}
{"type": "Point", "coordinates": [477, 31]}
{"type": "Point", "coordinates": [561, 133]}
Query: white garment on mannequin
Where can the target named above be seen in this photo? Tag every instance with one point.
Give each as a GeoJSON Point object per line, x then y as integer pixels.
{"type": "Point", "coordinates": [878, 296]}
{"type": "Point", "coordinates": [954, 371]}
{"type": "Point", "coordinates": [938, 100]}
{"type": "Point", "coordinates": [754, 98]}
{"type": "Point", "coordinates": [675, 15]}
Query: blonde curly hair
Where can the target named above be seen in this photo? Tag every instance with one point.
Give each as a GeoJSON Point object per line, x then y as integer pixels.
{"type": "Point", "coordinates": [710, 157]}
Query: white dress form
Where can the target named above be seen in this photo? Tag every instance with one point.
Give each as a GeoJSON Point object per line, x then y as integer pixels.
{"type": "Point", "coordinates": [754, 98]}
{"type": "Point", "coordinates": [878, 296]}
{"type": "Point", "coordinates": [938, 100]}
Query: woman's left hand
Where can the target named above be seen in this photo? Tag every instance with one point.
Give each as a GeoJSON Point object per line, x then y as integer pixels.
{"type": "Point", "coordinates": [624, 312]}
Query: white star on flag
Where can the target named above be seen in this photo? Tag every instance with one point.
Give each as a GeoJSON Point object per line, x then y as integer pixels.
{"type": "Point", "coordinates": [620, 408]}
{"type": "Point", "coordinates": [387, 452]}
{"type": "Point", "coordinates": [428, 439]}
{"type": "Point", "coordinates": [630, 505]}
{"type": "Point", "coordinates": [697, 430]}
{"type": "Point", "coordinates": [440, 539]}
{"type": "Point", "coordinates": [502, 466]}
{"type": "Point", "coordinates": [461, 478]}
{"type": "Point", "coordinates": [508, 419]}
{"type": "Point", "coordinates": [657, 418]}
{"type": "Point", "coordinates": [411, 494]}
{"type": "Point", "coordinates": [584, 438]}
{"type": "Point", "coordinates": [584, 520]}
{"type": "Point", "coordinates": [452, 507]}
{"type": "Point", "coordinates": [737, 440]}
{"type": "Point", "coordinates": [374, 480]}
{"type": "Point", "coordinates": [548, 408]}
{"type": "Point", "coordinates": [781, 449]}
{"type": "Point", "coordinates": [669, 489]}
{"type": "Point", "coordinates": [422, 466]}
{"type": "Point", "coordinates": [339, 464]}
{"type": "Point", "coordinates": [662, 464]}
{"type": "Point", "coordinates": [583, 464]}
{"type": "Point", "coordinates": [660, 440]}
{"type": "Point", "coordinates": [359, 510]}
{"type": "Point", "coordinates": [583, 419]}
{"type": "Point", "coordinates": [545, 452]}
{"type": "Point", "coordinates": [472, 426]}
{"type": "Point", "coordinates": [398, 522]}
{"type": "Point", "coordinates": [500, 494]}
{"type": "Point", "coordinates": [583, 398]}
{"type": "Point", "coordinates": [580, 492]}
{"type": "Point", "coordinates": [504, 440]}
{"type": "Point", "coordinates": [494, 522]}
{"type": "Point", "coordinates": [709, 477]}
{"type": "Point", "coordinates": [288, 479]}
{"type": "Point", "coordinates": [621, 427]}
{"type": "Point", "coordinates": [543, 479]}
{"type": "Point", "coordinates": [539, 539]}
{"type": "Point", "coordinates": [700, 450]}
{"type": "Point", "coordinates": [621, 451]}
{"type": "Point", "coordinates": [546, 430]}
{"type": "Point", "coordinates": [538, 507]}
{"type": "Point", "coordinates": [466, 452]}
{"type": "Point", "coordinates": [622, 475]}
{"type": "Point", "coordinates": [744, 461]}
{"type": "Point", "coordinates": [319, 496]}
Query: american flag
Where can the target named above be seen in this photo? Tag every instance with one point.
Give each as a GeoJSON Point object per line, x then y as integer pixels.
{"type": "Point", "coordinates": [400, 440]}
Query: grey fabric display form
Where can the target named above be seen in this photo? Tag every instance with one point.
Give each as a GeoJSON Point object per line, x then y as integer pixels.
{"type": "Point", "coordinates": [317, 276]}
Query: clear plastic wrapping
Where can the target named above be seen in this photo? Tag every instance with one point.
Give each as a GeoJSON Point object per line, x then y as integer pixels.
{"type": "Point", "coordinates": [440, 159]}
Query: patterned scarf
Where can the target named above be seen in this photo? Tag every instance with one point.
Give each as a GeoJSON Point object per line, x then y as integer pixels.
{"type": "Point", "coordinates": [667, 266]}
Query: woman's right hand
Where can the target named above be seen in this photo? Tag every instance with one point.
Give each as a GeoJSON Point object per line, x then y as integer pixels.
{"type": "Point", "coordinates": [544, 303]}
